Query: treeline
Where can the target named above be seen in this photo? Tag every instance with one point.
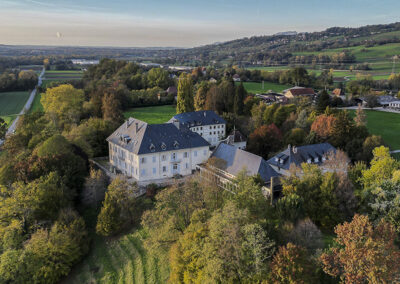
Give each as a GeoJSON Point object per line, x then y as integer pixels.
{"type": "Point", "coordinates": [18, 81]}
{"type": "Point", "coordinates": [46, 188]}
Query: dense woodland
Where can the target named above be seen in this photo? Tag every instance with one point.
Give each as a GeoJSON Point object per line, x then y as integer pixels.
{"type": "Point", "coordinates": [53, 201]}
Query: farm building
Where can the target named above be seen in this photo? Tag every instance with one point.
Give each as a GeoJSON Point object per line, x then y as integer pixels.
{"type": "Point", "coordinates": [395, 105]}
{"type": "Point", "coordinates": [298, 92]}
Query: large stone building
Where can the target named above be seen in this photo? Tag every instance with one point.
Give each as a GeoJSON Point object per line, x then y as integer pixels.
{"type": "Point", "coordinates": [206, 123]}
{"type": "Point", "coordinates": [149, 152]}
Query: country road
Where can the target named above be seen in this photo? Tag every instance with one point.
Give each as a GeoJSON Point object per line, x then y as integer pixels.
{"type": "Point", "coordinates": [26, 108]}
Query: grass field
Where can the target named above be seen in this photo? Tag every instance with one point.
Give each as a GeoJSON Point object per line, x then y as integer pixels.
{"type": "Point", "coordinates": [12, 102]}
{"type": "Point", "coordinates": [256, 88]}
{"type": "Point", "coordinates": [122, 260]}
{"type": "Point", "coordinates": [8, 119]}
{"type": "Point", "coordinates": [385, 124]}
{"type": "Point", "coordinates": [152, 115]}
{"type": "Point", "coordinates": [63, 74]}
{"type": "Point", "coordinates": [36, 105]}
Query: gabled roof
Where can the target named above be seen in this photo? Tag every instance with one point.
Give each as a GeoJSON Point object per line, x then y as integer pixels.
{"type": "Point", "coordinates": [204, 117]}
{"type": "Point", "coordinates": [139, 137]}
{"type": "Point", "coordinates": [237, 160]}
{"type": "Point", "coordinates": [299, 91]}
{"type": "Point", "coordinates": [338, 92]}
{"type": "Point", "coordinates": [301, 154]}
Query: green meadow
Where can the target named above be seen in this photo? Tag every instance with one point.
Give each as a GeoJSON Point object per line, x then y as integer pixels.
{"type": "Point", "coordinates": [256, 88]}
{"type": "Point", "coordinates": [152, 114]}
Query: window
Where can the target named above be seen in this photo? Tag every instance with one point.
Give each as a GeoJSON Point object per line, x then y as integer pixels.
{"type": "Point", "coordinates": [163, 158]}
{"type": "Point", "coordinates": [154, 171]}
{"type": "Point", "coordinates": [143, 160]}
{"type": "Point", "coordinates": [205, 152]}
{"type": "Point", "coordinates": [201, 128]}
{"type": "Point", "coordinates": [210, 127]}
{"type": "Point", "coordinates": [143, 172]}
{"type": "Point", "coordinates": [185, 155]}
{"type": "Point", "coordinates": [309, 161]}
{"type": "Point", "coordinates": [175, 167]}
{"type": "Point", "coordinates": [173, 156]}
{"type": "Point", "coordinates": [195, 153]}
{"type": "Point", "coordinates": [154, 159]}
{"type": "Point", "coordinates": [187, 165]}
{"type": "Point", "coordinates": [164, 169]}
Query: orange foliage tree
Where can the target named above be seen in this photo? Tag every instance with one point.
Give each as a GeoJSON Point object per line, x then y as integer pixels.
{"type": "Point", "coordinates": [366, 253]}
{"type": "Point", "coordinates": [323, 126]}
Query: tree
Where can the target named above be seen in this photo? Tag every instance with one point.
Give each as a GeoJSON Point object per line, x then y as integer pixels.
{"type": "Point", "coordinates": [323, 101]}
{"type": "Point", "coordinates": [295, 137]}
{"type": "Point", "coordinates": [185, 101]}
{"type": "Point", "coordinates": [382, 167]}
{"type": "Point", "coordinates": [342, 130]}
{"type": "Point", "coordinates": [3, 128]}
{"type": "Point", "coordinates": [95, 187]}
{"type": "Point", "coordinates": [292, 265]}
{"type": "Point", "coordinates": [372, 101]}
{"type": "Point", "coordinates": [370, 143]}
{"type": "Point", "coordinates": [323, 126]}
{"type": "Point", "coordinates": [117, 209]}
{"type": "Point", "coordinates": [365, 253]}
{"type": "Point", "coordinates": [111, 108]}
{"type": "Point", "coordinates": [299, 76]}
{"type": "Point", "coordinates": [302, 120]}
{"type": "Point", "coordinates": [201, 96]}
{"type": "Point", "coordinates": [239, 99]}
{"type": "Point", "coordinates": [265, 140]}
{"type": "Point", "coordinates": [63, 104]}
{"type": "Point", "coordinates": [306, 234]}
{"type": "Point", "coordinates": [158, 77]}
{"type": "Point", "coordinates": [360, 118]}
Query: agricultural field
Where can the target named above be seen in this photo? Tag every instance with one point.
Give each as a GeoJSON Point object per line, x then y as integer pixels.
{"type": "Point", "coordinates": [256, 88]}
{"type": "Point", "coordinates": [67, 74]}
{"type": "Point", "coordinates": [12, 102]}
{"type": "Point", "coordinates": [153, 114]}
{"type": "Point", "coordinates": [121, 260]}
{"type": "Point", "coordinates": [385, 124]}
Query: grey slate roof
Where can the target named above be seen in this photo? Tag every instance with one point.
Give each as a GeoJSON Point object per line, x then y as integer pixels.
{"type": "Point", "coordinates": [139, 137]}
{"type": "Point", "coordinates": [237, 160]}
{"type": "Point", "coordinates": [199, 118]}
{"type": "Point", "coordinates": [299, 155]}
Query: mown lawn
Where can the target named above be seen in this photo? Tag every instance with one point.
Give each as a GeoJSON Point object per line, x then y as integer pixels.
{"type": "Point", "coordinates": [153, 114]}
{"type": "Point", "coordinates": [257, 88]}
{"type": "Point", "coordinates": [121, 260]}
{"type": "Point", "coordinates": [36, 105]}
{"type": "Point", "coordinates": [385, 124]}
{"type": "Point", "coordinates": [12, 102]}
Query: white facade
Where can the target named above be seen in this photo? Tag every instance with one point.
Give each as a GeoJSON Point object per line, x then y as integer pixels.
{"type": "Point", "coordinates": [212, 133]}
{"type": "Point", "coordinates": [395, 104]}
{"type": "Point", "coordinates": [153, 166]}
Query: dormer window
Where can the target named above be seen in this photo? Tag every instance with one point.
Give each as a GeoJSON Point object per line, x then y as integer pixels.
{"type": "Point", "coordinates": [163, 146]}
{"type": "Point", "coordinates": [152, 147]}
{"type": "Point", "coordinates": [176, 145]}
{"type": "Point", "coordinates": [276, 159]}
{"type": "Point", "coordinates": [281, 161]}
{"type": "Point", "coordinates": [316, 160]}
{"type": "Point", "coordinates": [309, 161]}
{"type": "Point", "coordinates": [323, 159]}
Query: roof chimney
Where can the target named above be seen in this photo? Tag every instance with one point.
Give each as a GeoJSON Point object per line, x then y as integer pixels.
{"type": "Point", "coordinates": [137, 127]}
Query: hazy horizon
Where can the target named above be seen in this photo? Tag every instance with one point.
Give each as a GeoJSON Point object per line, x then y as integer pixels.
{"type": "Point", "coordinates": [176, 23]}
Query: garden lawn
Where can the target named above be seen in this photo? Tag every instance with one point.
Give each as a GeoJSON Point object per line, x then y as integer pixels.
{"type": "Point", "coordinates": [121, 260]}
{"type": "Point", "coordinates": [36, 105]}
{"type": "Point", "coordinates": [12, 102]}
{"type": "Point", "coordinates": [385, 124]}
{"type": "Point", "coordinates": [256, 88]}
{"type": "Point", "coordinates": [153, 114]}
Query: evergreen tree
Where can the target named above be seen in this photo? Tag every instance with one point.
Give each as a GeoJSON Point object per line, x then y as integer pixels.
{"type": "Point", "coordinates": [201, 96]}
{"type": "Point", "coordinates": [185, 101]}
{"type": "Point", "coordinates": [239, 99]}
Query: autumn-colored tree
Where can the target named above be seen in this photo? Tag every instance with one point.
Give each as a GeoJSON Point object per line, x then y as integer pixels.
{"type": "Point", "coordinates": [265, 140]}
{"type": "Point", "coordinates": [63, 104]}
{"type": "Point", "coordinates": [323, 126]}
{"type": "Point", "coordinates": [239, 99]}
{"type": "Point", "coordinates": [185, 100]}
{"type": "Point", "coordinates": [365, 253]}
{"type": "Point", "coordinates": [201, 96]}
{"type": "Point", "coordinates": [360, 119]}
{"type": "Point", "coordinates": [111, 108]}
{"type": "Point", "coordinates": [292, 264]}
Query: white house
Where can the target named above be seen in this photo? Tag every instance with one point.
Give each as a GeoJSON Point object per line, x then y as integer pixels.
{"type": "Point", "coordinates": [395, 105]}
{"type": "Point", "coordinates": [206, 123]}
{"type": "Point", "coordinates": [149, 152]}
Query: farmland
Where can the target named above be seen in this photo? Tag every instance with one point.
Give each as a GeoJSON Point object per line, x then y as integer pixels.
{"type": "Point", "coordinates": [153, 114]}
{"type": "Point", "coordinates": [61, 76]}
{"type": "Point", "coordinates": [255, 87]}
{"type": "Point", "coordinates": [385, 124]}
{"type": "Point", "coordinates": [12, 102]}
{"type": "Point", "coordinates": [122, 260]}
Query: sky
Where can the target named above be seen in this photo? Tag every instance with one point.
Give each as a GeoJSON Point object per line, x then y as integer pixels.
{"type": "Point", "coordinates": [177, 23]}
